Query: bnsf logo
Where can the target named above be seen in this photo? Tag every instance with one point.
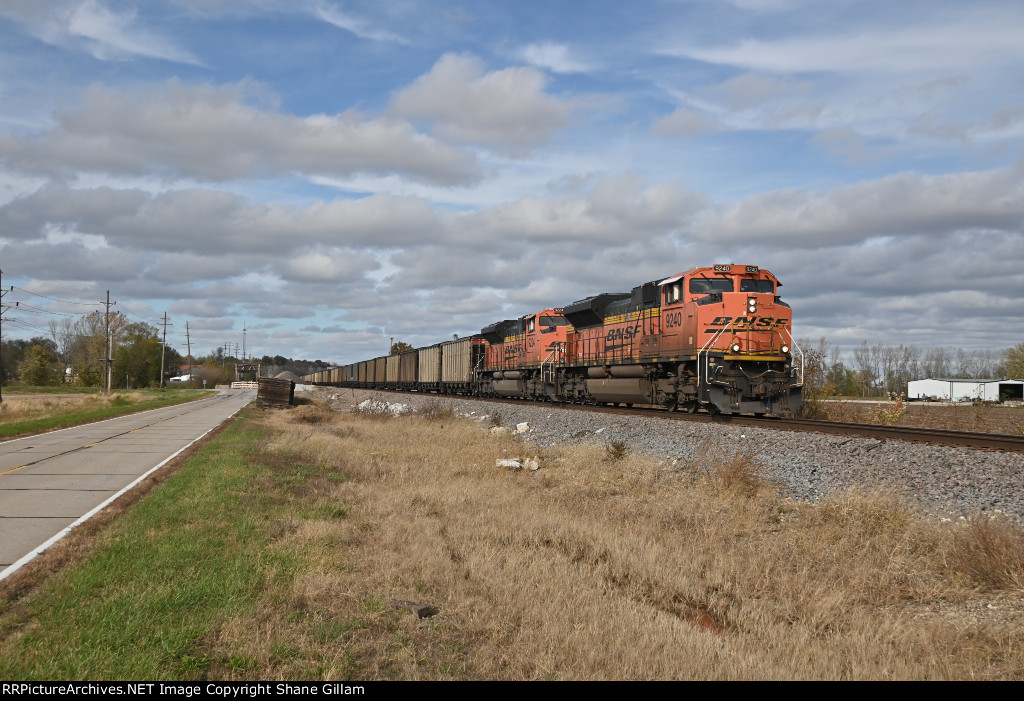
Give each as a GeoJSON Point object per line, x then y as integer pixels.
{"type": "Point", "coordinates": [623, 334]}
{"type": "Point", "coordinates": [513, 349]}
{"type": "Point", "coordinates": [746, 322]}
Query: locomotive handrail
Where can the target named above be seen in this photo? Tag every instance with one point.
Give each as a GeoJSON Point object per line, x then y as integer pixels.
{"type": "Point", "coordinates": [705, 349]}
{"type": "Point", "coordinates": [559, 346]}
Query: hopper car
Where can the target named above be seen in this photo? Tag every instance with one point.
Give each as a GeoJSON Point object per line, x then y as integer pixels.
{"type": "Point", "coordinates": [716, 339]}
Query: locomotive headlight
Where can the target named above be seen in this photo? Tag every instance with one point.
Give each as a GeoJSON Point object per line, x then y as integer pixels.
{"type": "Point", "coordinates": [751, 304]}
{"type": "Point", "coordinates": [735, 348]}
{"type": "Point", "coordinates": [785, 348]}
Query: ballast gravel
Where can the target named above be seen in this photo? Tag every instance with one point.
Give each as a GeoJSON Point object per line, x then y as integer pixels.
{"type": "Point", "coordinates": [941, 481]}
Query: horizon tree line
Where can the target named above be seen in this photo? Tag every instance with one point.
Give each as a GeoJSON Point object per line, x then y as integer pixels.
{"type": "Point", "coordinates": [876, 369]}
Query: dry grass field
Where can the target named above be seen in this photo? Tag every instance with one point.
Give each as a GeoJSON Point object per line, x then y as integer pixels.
{"type": "Point", "coordinates": [17, 407]}
{"type": "Point", "coordinates": [28, 412]}
{"type": "Point", "coordinates": [603, 565]}
{"type": "Point", "coordinates": [954, 417]}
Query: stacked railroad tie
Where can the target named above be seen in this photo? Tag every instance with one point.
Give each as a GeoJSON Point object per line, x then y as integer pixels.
{"type": "Point", "coordinates": [275, 393]}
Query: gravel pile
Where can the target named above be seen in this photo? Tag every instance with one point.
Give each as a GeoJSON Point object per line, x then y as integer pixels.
{"type": "Point", "coordinates": [941, 481]}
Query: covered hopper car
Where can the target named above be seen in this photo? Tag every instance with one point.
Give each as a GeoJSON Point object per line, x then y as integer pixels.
{"type": "Point", "coordinates": [716, 338]}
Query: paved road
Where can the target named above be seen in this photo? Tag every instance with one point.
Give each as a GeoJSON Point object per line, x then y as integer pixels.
{"type": "Point", "coordinates": [54, 480]}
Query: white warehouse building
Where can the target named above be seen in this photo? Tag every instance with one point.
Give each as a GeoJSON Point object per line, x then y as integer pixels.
{"type": "Point", "coordinates": [960, 390]}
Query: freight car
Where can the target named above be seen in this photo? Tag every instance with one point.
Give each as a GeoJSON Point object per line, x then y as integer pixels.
{"type": "Point", "coordinates": [715, 338]}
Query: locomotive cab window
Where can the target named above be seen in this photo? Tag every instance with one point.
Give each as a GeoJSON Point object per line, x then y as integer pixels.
{"type": "Point", "coordinates": [531, 325]}
{"type": "Point", "coordinates": [549, 324]}
{"type": "Point", "coordinates": [705, 286]}
{"type": "Point", "coordinates": [764, 286]}
{"type": "Point", "coordinates": [674, 293]}
{"type": "Point", "coordinates": [553, 321]}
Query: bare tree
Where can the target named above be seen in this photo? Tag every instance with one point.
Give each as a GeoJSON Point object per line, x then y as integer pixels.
{"type": "Point", "coordinates": [1013, 362]}
{"type": "Point", "coordinates": [90, 347]}
{"type": "Point", "coordinates": [63, 334]}
{"type": "Point", "coordinates": [937, 363]}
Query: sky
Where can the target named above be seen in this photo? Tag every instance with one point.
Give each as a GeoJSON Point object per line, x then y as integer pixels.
{"type": "Point", "coordinates": [330, 175]}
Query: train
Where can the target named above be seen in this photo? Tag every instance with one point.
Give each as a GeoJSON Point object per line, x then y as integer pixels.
{"type": "Point", "coordinates": [716, 339]}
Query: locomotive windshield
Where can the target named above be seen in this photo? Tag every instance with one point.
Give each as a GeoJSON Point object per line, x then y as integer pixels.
{"type": "Point", "coordinates": [553, 321]}
{"type": "Point", "coordinates": [766, 286]}
{"type": "Point", "coordinates": [703, 285]}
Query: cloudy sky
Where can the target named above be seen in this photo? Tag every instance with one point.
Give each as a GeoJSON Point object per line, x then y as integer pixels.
{"type": "Point", "coordinates": [332, 174]}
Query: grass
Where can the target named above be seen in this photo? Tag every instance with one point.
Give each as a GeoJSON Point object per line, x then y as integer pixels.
{"type": "Point", "coordinates": [177, 568]}
{"type": "Point", "coordinates": [16, 390]}
{"type": "Point", "coordinates": [290, 547]}
{"type": "Point", "coordinates": [32, 412]}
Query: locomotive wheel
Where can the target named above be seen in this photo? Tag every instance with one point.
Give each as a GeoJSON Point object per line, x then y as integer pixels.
{"type": "Point", "coordinates": [690, 407]}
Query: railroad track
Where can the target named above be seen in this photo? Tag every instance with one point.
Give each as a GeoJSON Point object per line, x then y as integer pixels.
{"type": "Point", "coordinates": [963, 439]}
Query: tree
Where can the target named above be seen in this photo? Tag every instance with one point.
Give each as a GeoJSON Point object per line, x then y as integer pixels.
{"type": "Point", "coordinates": [868, 360]}
{"type": "Point", "coordinates": [63, 335]}
{"type": "Point", "coordinates": [90, 345]}
{"type": "Point", "coordinates": [816, 385]}
{"type": "Point", "coordinates": [16, 352]}
{"type": "Point", "coordinates": [37, 368]}
{"type": "Point", "coordinates": [1013, 362]}
{"type": "Point", "coordinates": [400, 347]}
{"type": "Point", "coordinates": [137, 355]}
{"type": "Point", "coordinates": [937, 363]}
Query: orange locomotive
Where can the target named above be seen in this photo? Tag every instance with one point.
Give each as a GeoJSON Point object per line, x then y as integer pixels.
{"type": "Point", "coordinates": [717, 338]}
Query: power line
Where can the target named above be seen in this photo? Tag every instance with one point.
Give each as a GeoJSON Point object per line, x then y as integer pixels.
{"type": "Point", "coordinates": [152, 322]}
{"type": "Point", "coordinates": [50, 284]}
{"type": "Point", "coordinates": [24, 324]}
{"type": "Point", "coordinates": [62, 301]}
{"type": "Point", "coordinates": [26, 305]}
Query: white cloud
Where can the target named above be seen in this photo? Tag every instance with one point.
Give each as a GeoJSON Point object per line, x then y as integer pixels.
{"type": "Point", "coordinates": [212, 133]}
{"type": "Point", "coordinates": [896, 205]}
{"type": "Point", "coordinates": [751, 89]}
{"type": "Point", "coordinates": [970, 39]}
{"type": "Point", "coordinates": [554, 57]}
{"type": "Point", "coordinates": [841, 253]}
{"type": "Point", "coordinates": [505, 109]}
{"type": "Point", "coordinates": [685, 122]}
{"type": "Point", "coordinates": [93, 27]}
{"type": "Point", "coordinates": [359, 27]}
{"type": "Point", "coordinates": [328, 266]}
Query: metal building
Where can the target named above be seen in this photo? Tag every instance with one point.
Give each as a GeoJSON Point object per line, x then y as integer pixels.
{"type": "Point", "coordinates": [961, 390]}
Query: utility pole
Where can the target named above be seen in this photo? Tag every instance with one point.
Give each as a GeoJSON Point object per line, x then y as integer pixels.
{"type": "Point", "coordinates": [3, 293]}
{"type": "Point", "coordinates": [108, 362]}
{"type": "Point", "coordinates": [188, 341]}
{"type": "Point", "coordinates": [243, 343]}
{"type": "Point", "coordinates": [163, 352]}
